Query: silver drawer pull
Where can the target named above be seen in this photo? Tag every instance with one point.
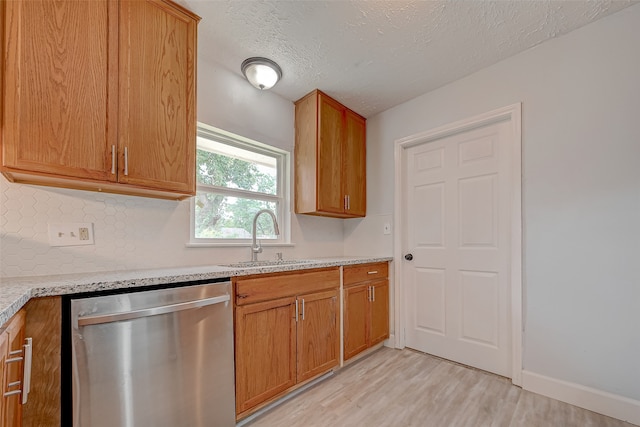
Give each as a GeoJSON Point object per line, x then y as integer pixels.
{"type": "Point", "coordinates": [126, 160]}
{"type": "Point", "coordinates": [14, 360]}
{"type": "Point", "coordinates": [15, 352]}
{"type": "Point", "coordinates": [113, 160]}
{"type": "Point", "coordinates": [26, 374]}
{"type": "Point", "coordinates": [11, 393]}
{"type": "Point", "coordinates": [372, 272]}
{"type": "Point", "coordinates": [14, 384]}
{"type": "Point", "coordinates": [154, 311]}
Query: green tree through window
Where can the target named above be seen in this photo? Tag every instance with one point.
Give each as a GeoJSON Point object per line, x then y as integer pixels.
{"type": "Point", "coordinates": [234, 182]}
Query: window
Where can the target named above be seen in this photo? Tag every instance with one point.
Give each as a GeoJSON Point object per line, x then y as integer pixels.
{"type": "Point", "coordinates": [236, 177]}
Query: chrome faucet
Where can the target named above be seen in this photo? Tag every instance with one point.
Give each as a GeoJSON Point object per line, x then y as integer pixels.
{"type": "Point", "coordinates": [256, 248]}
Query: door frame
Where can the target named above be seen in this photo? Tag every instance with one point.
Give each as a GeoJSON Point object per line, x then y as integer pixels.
{"type": "Point", "coordinates": [513, 115]}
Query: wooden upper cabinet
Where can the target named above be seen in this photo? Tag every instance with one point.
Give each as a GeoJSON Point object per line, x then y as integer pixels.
{"type": "Point", "coordinates": [330, 158]}
{"type": "Point", "coordinates": [329, 191]}
{"type": "Point", "coordinates": [157, 127]}
{"type": "Point", "coordinates": [60, 97]}
{"type": "Point", "coordinates": [100, 95]}
{"type": "Point", "coordinates": [354, 165]}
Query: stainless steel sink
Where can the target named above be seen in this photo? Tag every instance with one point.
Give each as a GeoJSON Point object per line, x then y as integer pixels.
{"type": "Point", "coordinates": [247, 264]}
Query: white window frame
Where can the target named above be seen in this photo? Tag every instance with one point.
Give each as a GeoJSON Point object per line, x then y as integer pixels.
{"type": "Point", "coordinates": [282, 197]}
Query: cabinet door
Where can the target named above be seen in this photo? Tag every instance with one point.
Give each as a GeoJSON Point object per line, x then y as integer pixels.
{"type": "Point", "coordinates": [157, 96]}
{"type": "Point", "coordinates": [44, 325]}
{"type": "Point", "coordinates": [330, 195]}
{"type": "Point", "coordinates": [356, 314]}
{"type": "Point", "coordinates": [4, 349]}
{"type": "Point", "coordinates": [379, 312]}
{"type": "Point", "coordinates": [13, 375]}
{"type": "Point", "coordinates": [318, 341]}
{"type": "Point", "coordinates": [355, 168]}
{"type": "Point", "coordinates": [58, 112]}
{"type": "Point", "coordinates": [265, 351]}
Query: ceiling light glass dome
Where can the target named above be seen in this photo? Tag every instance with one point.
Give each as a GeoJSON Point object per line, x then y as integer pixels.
{"type": "Point", "coordinates": [262, 73]}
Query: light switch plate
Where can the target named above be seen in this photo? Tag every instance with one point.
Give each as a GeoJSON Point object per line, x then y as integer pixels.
{"type": "Point", "coordinates": [71, 234]}
{"type": "Point", "coordinates": [386, 228]}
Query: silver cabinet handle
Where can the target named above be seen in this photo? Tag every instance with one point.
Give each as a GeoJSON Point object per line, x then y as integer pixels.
{"type": "Point", "coordinates": [369, 293]}
{"type": "Point", "coordinates": [113, 160]}
{"type": "Point", "coordinates": [153, 311]}
{"type": "Point", "coordinates": [13, 360]}
{"type": "Point", "coordinates": [126, 160]}
{"type": "Point", "coordinates": [11, 393]}
{"type": "Point", "coordinates": [296, 310]}
{"type": "Point", "coordinates": [26, 374]}
{"type": "Point", "coordinates": [348, 202]}
{"type": "Point", "coordinates": [345, 203]}
{"type": "Point", "coordinates": [372, 272]}
{"type": "Point", "coordinates": [302, 308]}
{"type": "Point", "coordinates": [373, 293]}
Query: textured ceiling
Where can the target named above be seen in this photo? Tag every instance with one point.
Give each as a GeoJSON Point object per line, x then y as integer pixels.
{"type": "Point", "coordinates": [373, 55]}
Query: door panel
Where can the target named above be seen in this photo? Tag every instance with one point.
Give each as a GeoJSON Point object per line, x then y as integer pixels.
{"type": "Point", "coordinates": [458, 191]}
{"type": "Point", "coordinates": [331, 133]}
{"type": "Point", "coordinates": [157, 85]}
{"type": "Point", "coordinates": [265, 332]}
{"type": "Point", "coordinates": [379, 312]}
{"type": "Point", "coordinates": [354, 172]}
{"type": "Point", "coordinates": [318, 343]}
{"type": "Point", "coordinates": [60, 116]}
{"type": "Point", "coordinates": [356, 326]}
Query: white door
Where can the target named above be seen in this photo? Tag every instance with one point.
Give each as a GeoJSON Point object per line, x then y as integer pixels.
{"type": "Point", "coordinates": [457, 191]}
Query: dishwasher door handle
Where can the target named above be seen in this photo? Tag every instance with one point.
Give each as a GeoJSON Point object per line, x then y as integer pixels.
{"type": "Point", "coordinates": [153, 311]}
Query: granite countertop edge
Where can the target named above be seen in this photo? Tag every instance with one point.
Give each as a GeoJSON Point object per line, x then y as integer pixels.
{"type": "Point", "coordinates": [15, 292]}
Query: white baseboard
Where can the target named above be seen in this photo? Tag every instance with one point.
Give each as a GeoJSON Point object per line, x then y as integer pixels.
{"type": "Point", "coordinates": [391, 341]}
{"type": "Point", "coordinates": [612, 405]}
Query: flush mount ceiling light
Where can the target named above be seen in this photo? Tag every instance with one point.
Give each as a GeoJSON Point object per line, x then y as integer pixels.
{"type": "Point", "coordinates": [262, 73]}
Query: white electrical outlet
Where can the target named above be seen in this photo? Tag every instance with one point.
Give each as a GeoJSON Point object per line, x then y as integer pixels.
{"type": "Point", "coordinates": [71, 234]}
{"type": "Point", "coordinates": [386, 228]}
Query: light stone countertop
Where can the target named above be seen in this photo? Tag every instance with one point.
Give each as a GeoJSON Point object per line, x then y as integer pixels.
{"type": "Point", "coordinates": [15, 292]}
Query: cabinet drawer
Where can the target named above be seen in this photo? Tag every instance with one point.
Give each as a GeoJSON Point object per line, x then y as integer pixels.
{"type": "Point", "coordinates": [266, 287]}
{"type": "Point", "coordinates": [361, 273]}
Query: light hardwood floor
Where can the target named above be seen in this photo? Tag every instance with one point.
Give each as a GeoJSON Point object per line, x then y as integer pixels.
{"type": "Point", "coordinates": [403, 388]}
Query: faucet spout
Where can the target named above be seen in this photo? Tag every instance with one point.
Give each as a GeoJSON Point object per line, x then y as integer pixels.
{"type": "Point", "coordinates": [256, 248]}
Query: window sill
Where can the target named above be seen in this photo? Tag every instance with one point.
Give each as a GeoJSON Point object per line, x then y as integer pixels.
{"type": "Point", "coordinates": [236, 245]}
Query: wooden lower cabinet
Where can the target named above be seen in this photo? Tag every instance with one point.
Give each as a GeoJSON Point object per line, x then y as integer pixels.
{"type": "Point", "coordinates": [44, 325]}
{"type": "Point", "coordinates": [11, 345]}
{"type": "Point", "coordinates": [366, 307]}
{"type": "Point", "coordinates": [265, 351]}
{"type": "Point", "coordinates": [379, 316]}
{"type": "Point", "coordinates": [285, 341]}
{"type": "Point", "coordinates": [40, 319]}
{"type": "Point", "coordinates": [317, 334]}
{"type": "Point", "coordinates": [356, 314]}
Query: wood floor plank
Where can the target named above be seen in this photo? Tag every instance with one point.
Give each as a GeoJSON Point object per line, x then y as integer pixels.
{"type": "Point", "coordinates": [405, 388]}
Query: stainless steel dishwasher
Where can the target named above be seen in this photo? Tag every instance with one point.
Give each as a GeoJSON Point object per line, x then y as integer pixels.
{"type": "Point", "coordinates": [161, 357]}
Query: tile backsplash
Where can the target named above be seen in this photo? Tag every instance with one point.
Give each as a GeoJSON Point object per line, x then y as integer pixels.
{"type": "Point", "coordinates": [129, 231]}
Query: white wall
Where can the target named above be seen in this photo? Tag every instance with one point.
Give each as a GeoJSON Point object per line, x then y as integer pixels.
{"type": "Point", "coordinates": [581, 193]}
{"type": "Point", "coordinates": [135, 232]}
